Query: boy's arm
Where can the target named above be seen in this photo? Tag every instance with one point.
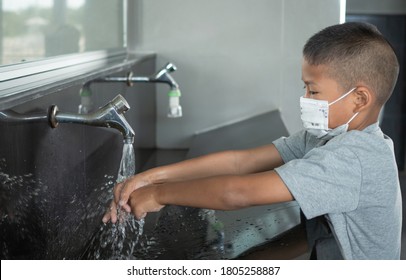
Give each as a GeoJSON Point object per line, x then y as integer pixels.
{"type": "Point", "coordinates": [227, 192]}
{"type": "Point", "coordinates": [237, 162]}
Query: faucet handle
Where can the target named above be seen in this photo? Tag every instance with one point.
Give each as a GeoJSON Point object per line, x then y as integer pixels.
{"type": "Point", "coordinates": [120, 104]}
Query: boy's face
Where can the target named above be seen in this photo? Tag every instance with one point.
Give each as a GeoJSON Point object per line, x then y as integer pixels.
{"type": "Point", "coordinates": [321, 87]}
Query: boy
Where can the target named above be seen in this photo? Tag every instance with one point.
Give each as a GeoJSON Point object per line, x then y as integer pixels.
{"type": "Point", "coordinates": [341, 167]}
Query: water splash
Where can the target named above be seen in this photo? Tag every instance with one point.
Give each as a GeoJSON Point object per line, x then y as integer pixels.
{"type": "Point", "coordinates": [118, 241]}
{"type": "Point", "coordinates": [20, 200]}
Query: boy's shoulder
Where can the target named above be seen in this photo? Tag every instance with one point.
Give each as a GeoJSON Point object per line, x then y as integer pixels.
{"type": "Point", "coordinates": [369, 142]}
{"type": "Point", "coordinates": [371, 137]}
{"type": "Point", "coordinates": [369, 145]}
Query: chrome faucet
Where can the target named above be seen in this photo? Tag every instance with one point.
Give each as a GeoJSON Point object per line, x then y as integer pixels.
{"type": "Point", "coordinates": [161, 76]}
{"type": "Point", "coordinates": [110, 115]}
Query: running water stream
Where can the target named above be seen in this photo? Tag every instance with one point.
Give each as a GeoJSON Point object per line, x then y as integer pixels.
{"type": "Point", "coordinates": [127, 164]}
{"type": "Point", "coordinates": [120, 239]}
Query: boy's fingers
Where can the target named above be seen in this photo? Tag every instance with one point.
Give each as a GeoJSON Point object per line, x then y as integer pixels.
{"type": "Point", "coordinates": [111, 213]}
{"type": "Point", "coordinates": [126, 208]}
{"type": "Point", "coordinates": [126, 190]}
{"type": "Point", "coordinates": [106, 217]}
{"type": "Point", "coordinates": [117, 191]}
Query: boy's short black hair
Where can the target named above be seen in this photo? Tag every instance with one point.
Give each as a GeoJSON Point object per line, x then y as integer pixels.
{"type": "Point", "coordinates": [355, 52]}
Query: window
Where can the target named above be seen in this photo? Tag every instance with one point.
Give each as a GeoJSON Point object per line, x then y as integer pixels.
{"type": "Point", "coordinates": [35, 29]}
{"type": "Point", "coordinates": [48, 43]}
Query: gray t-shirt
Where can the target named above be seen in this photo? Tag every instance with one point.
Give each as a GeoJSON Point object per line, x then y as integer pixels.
{"type": "Point", "coordinates": [352, 180]}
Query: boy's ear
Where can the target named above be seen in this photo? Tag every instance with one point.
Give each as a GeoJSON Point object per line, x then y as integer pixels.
{"type": "Point", "coordinates": [363, 98]}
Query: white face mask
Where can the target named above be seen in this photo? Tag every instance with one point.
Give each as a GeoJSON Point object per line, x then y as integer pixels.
{"type": "Point", "coordinates": [314, 115]}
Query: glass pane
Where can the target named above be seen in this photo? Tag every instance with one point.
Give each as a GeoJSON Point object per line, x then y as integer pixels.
{"type": "Point", "coordinates": [35, 29]}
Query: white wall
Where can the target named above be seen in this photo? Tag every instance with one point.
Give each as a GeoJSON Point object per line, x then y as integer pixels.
{"type": "Point", "coordinates": [376, 6]}
{"type": "Point", "coordinates": [235, 58]}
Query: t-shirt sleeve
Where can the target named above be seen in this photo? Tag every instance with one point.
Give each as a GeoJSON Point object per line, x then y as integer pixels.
{"type": "Point", "coordinates": [291, 147]}
{"type": "Point", "coordinates": [326, 180]}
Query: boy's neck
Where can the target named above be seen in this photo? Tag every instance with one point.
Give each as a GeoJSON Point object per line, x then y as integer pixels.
{"type": "Point", "coordinates": [365, 120]}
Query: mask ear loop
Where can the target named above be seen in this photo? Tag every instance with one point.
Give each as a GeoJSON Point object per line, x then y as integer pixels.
{"type": "Point", "coordinates": [344, 95]}
{"type": "Point", "coordinates": [353, 117]}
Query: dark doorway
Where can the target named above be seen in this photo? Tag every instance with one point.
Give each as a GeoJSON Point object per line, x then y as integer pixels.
{"type": "Point", "coordinates": [393, 27]}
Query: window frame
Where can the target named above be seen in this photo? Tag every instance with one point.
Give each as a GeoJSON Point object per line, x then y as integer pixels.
{"type": "Point", "coordinates": [26, 81]}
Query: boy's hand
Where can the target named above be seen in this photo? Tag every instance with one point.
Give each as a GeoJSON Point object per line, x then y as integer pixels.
{"type": "Point", "coordinates": [121, 193]}
{"type": "Point", "coordinates": [144, 200]}
{"type": "Point", "coordinates": [111, 213]}
{"type": "Point", "coordinates": [123, 190]}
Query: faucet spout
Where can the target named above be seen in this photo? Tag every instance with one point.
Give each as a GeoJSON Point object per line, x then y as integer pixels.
{"type": "Point", "coordinates": [110, 115]}
{"type": "Point", "coordinates": [161, 76]}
